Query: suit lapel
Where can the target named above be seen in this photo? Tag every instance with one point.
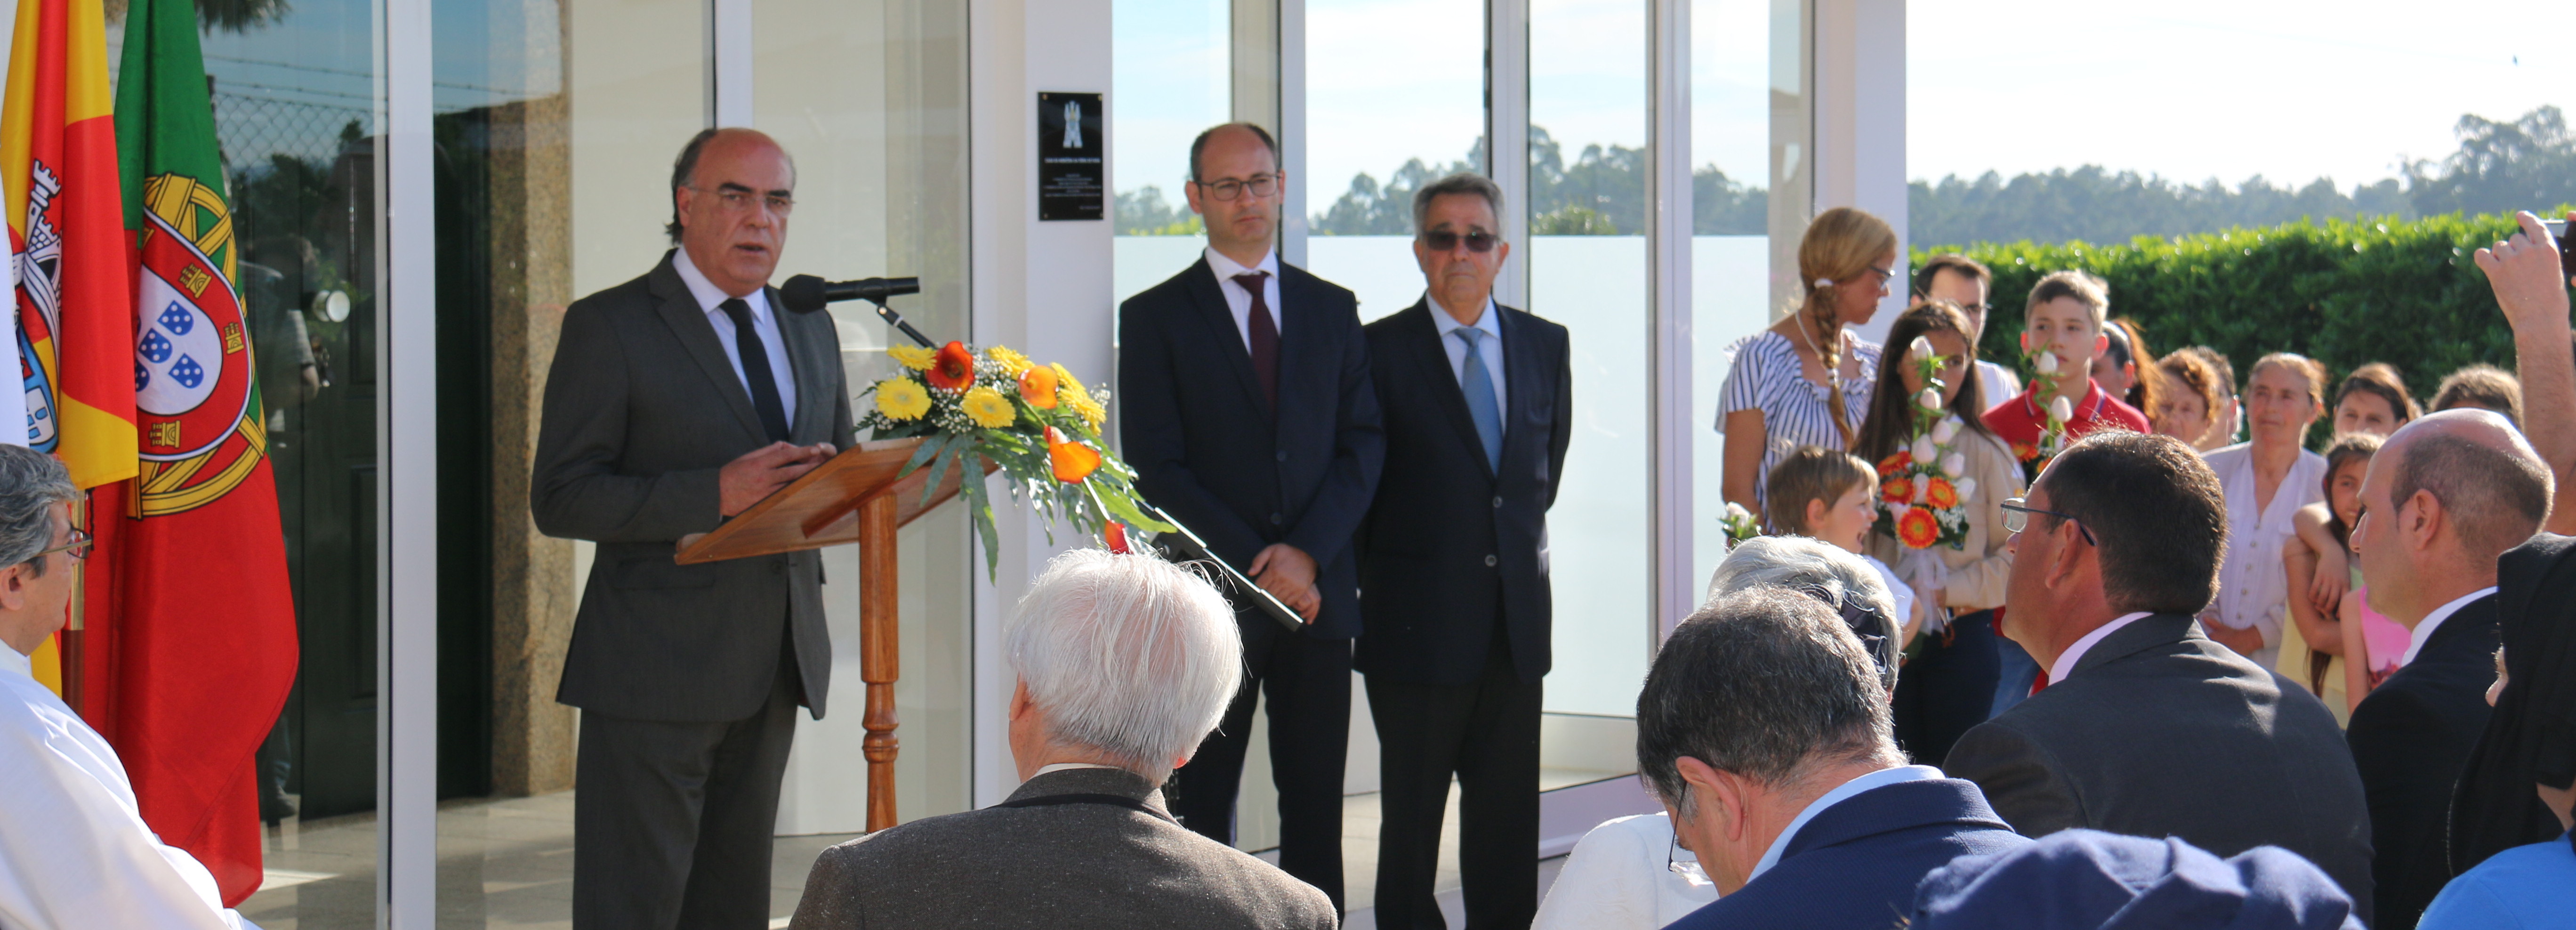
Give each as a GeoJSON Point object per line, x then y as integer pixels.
{"type": "Point", "coordinates": [1218, 317]}
{"type": "Point", "coordinates": [689, 325]}
{"type": "Point", "coordinates": [1521, 379]}
{"type": "Point", "coordinates": [1301, 338]}
{"type": "Point", "coordinates": [1433, 359]}
{"type": "Point", "coordinates": [809, 349]}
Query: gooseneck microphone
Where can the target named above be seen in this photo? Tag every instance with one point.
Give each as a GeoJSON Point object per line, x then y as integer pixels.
{"type": "Point", "coordinates": [806, 293]}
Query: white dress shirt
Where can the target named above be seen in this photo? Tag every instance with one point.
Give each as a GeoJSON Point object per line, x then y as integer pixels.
{"type": "Point", "coordinates": [2065, 664]}
{"type": "Point", "coordinates": [1067, 767]}
{"type": "Point", "coordinates": [763, 321]}
{"type": "Point", "coordinates": [1618, 878]}
{"type": "Point", "coordinates": [2253, 588]}
{"type": "Point", "coordinates": [74, 851]}
{"type": "Point", "coordinates": [1489, 329]}
{"type": "Point", "coordinates": [2433, 621]}
{"type": "Point", "coordinates": [1238, 300]}
{"type": "Point", "coordinates": [1877, 779]}
{"type": "Point", "coordinates": [1898, 591]}
{"type": "Point", "coordinates": [1996, 384]}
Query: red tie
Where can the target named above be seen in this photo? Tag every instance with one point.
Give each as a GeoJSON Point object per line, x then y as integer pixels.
{"type": "Point", "coordinates": [1264, 338]}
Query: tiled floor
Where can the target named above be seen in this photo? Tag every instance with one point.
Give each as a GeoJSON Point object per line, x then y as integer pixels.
{"type": "Point", "coordinates": [508, 864]}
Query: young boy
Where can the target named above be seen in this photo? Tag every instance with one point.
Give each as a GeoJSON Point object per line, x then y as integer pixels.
{"type": "Point", "coordinates": [2065, 319]}
{"type": "Point", "coordinates": [1832, 497]}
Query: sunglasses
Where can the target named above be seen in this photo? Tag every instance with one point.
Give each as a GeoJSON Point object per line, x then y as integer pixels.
{"type": "Point", "coordinates": [1442, 240]}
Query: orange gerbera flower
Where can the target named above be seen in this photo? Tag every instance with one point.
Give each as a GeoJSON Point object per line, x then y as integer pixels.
{"type": "Point", "coordinates": [1037, 386]}
{"type": "Point", "coordinates": [1889, 466]}
{"type": "Point", "coordinates": [1940, 494]}
{"type": "Point", "coordinates": [1896, 490]}
{"type": "Point", "coordinates": [1071, 461]}
{"type": "Point", "coordinates": [1917, 529]}
{"type": "Point", "coordinates": [2025, 451]}
{"type": "Point", "coordinates": [953, 369]}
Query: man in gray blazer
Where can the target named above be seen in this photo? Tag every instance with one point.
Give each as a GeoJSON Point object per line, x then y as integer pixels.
{"type": "Point", "coordinates": [677, 400]}
{"type": "Point", "coordinates": [2147, 727]}
{"type": "Point", "coordinates": [1124, 662]}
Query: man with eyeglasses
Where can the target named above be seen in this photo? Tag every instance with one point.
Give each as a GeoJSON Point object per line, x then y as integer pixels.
{"type": "Point", "coordinates": [2147, 727]}
{"type": "Point", "coordinates": [1453, 565]}
{"type": "Point", "coordinates": [74, 850]}
{"type": "Point", "coordinates": [1245, 405]}
{"type": "Point", "coordinates": [1967, 282]}
{"type": "Point", "coordinates": [676, 400]}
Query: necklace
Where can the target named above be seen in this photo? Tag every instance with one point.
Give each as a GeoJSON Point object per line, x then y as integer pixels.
{"type": "Point", "coordinates": [1833, 374]}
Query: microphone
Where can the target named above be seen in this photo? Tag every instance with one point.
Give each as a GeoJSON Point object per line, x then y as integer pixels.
{"type": "Point", "coordinates": [806, 293]}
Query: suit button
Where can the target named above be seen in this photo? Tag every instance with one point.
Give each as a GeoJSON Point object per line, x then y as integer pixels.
{"type": "Point", "coordinates": [1283, 456]}
{"type": "Point", "coordinates": [1275, 519]}
{"type": "Point", "coordinates": [1498, 502]}
{"type": "Point", "coordinates": [1490, 561]}
{"type": "Point", "coordinates": [778, 567]}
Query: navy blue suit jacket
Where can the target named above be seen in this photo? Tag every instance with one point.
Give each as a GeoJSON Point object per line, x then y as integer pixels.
{"type": "Point", "coordinates": [2410, 738]}
{"type": "Point", "coordinates": [1208, 449]}
{"type": "Point", "coordinates": [1855, 865]}
{"type": "Point", "coordinates": [1454, 548]}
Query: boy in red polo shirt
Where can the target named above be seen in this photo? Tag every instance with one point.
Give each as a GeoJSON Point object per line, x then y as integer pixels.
{"type": "Point", "coordinates": [2062, 328]}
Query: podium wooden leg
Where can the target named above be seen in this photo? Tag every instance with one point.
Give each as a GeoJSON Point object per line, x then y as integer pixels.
{"type": "Point", "coordinates": [880, 653]}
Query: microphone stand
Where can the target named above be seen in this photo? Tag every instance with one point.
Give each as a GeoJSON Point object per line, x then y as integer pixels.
{"type": "Point", "coordinates": [887, 313]}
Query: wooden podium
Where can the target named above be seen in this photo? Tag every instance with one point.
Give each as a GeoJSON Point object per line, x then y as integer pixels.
{"type": "Point", "coordinates": [853, 497]}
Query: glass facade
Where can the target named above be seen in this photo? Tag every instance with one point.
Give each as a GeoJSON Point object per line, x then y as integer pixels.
{"type": "Point", "coordinates": [1395, 97]}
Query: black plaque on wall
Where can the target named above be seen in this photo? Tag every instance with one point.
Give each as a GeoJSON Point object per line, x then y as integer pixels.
{"type": "Point", "coordinates": [1072, 178]}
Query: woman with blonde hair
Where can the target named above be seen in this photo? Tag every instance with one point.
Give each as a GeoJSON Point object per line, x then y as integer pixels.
{"type": "Point", "coordinates": [2190, 400]}
{"type": "Point", "coordinates": [1807, 380]}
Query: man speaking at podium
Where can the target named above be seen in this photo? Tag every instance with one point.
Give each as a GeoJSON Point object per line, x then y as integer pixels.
{"type": "Point", "coordinates": [677, 400]}
{"type": "Point", "coordinates": [1243, 384]}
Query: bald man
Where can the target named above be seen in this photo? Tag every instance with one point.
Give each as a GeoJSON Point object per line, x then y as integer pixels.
{"type": "Point", "coordinates": [2444, 497]}
{"type": "Point", "coordinates": [676, 400]}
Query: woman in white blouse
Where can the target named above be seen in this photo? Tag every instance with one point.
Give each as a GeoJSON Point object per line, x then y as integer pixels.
{"type": "Point", "coordinates": [2267, 480]}
{"type": "Point", "coordinates": [1806, 380]}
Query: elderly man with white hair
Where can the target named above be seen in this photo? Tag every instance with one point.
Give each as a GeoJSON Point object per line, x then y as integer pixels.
{"type": "Point", "coordinates": [74, 851]}
{"type": "Point", "coordinates": [1125, 662]}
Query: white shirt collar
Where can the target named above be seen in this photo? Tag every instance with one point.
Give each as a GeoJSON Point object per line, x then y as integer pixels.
{"type": "Point", "coordinates": [2065, 664]}
{"type": "Point", "coordinates": [1068, 766]}
{"type": "Point", "coordinates": [1226, 268]}
{"type": "Point", "coordinates": [1842, 792]}
{"type": "Point", "coordinates": [708, 295]}
{"type": "Point", "coordinates": [1487, 322]}
{"type": "Point", "coordinates": [11, 660]}
{"type": "Point", "coordinates": [2432, 621]}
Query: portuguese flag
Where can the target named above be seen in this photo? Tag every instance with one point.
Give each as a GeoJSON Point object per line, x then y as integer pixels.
{"type": "Point", "coordinates": [201, 641]}
{"type": "Point", "coordinates": [74, 295]}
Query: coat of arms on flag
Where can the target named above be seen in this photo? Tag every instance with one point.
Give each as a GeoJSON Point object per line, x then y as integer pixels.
{"type": "Point", "coordinates": [198, 415]}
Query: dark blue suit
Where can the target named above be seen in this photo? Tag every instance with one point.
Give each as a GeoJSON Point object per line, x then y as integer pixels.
{"type": "Point", "coordinates": [2410, 739]}
{"type": "Point", "coordinates": [1209, 449]}
{"type": "Point", "coordinates": [1855, 864]}
{"type": "Point", "coordinates": [1453, 563]}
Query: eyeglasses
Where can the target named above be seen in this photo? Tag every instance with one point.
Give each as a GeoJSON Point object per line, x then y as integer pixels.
{"type": "Point", "coordinates": [1259, 185]}
{"type": "Point", "coordinates": [78, 548]}
{"type": "Point", "coordinates": [1882, 273]}
{"type": "Point", "coordinates": [2017, 518]}
{"type": "Point", "coordinates": [1677, 863]}
{"type": "Point", "coordinates": [1442, 240]}
{"type": "Point", "coordinates": [738, 200]}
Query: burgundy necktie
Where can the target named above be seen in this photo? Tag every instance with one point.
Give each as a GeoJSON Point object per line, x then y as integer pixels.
{"type": "Point", "coordinates": [1265, 338]}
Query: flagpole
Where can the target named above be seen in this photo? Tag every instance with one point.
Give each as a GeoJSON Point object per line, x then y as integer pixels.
{"type": "Point", "coordinates": [73, 657]}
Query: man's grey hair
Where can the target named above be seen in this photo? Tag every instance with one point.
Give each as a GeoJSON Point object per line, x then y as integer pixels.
{"type": "Point", "coordinates": [31, 483]}
{"type": "Point", "coordinates": [1129, 655]}
{"type": "Point", "coordinates": [1464, 182]}
{"type": "Point", "coordinates": [1765, 683]}
{"type": "Point", "coordinates": [1830, 575]}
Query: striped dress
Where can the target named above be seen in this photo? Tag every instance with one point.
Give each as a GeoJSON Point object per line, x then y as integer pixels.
{"type": "Point", "coordinates": [1763, 374]}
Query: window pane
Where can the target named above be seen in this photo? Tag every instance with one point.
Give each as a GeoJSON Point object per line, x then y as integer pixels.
{"type": "Point", "coordinates": [1395, 97]}
{"type": "Point", "coordinates": [1587, 261]}
{"type": "Point", "coordinates": [1170, 73]}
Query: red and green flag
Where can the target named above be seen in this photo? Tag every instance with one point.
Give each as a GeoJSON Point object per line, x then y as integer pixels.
{"type": "Point", "coordinates": [201, 641]}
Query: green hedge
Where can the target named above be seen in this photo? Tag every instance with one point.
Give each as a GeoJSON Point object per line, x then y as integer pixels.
{"type": "Point", "coordinates": [2343, 292]}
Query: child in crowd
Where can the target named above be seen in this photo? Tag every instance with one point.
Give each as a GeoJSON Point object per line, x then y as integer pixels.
{"type": "Point", "coordinates": [2063, 329]}
{"type": "Point", "coordinates": [2373, 400]}
{"type": "Point", "coordinates": [2347, 658]}
{"type": "Point", "coordinates": [1831, 496]}
{"type": "Point", "coordinates": [2121, 373]}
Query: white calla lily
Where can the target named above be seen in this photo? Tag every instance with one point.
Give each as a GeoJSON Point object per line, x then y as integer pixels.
{"type": "Point", "coordinates": [1919, 350]}
{"type": "Point", "coordinates": [1946, 430]}
{"type": "Point", "coordinates": [2047, 363]}
{"type": "Point", "coordinates": [1953, 464]}
{"type": "Point", "coordinates": [1930, 398]}
{"type": "Point", "coordinates": [2061, 410]}
{"type": "Point", "coordinates": [1967, 489]}
{"type": "Point", "coordinates": [1923, 450]}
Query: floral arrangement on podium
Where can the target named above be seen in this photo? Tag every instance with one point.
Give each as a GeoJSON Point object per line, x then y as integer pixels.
{"type": "Point", "coordinates": [1037, 423]}
{"type": "Point", "coordinates": [2052, 435]}
{"type": "Point", "coordinates": [1923, 492]}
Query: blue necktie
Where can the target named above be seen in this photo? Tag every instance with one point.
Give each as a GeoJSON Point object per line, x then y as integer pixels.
{"type": "Point", "coordinates": [1481, 406]}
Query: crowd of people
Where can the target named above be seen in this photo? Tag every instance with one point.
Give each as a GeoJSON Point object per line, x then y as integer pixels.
{"type": "Point", "coordinates": [2103, 645]}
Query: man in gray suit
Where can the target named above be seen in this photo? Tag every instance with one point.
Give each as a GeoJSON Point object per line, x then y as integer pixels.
{"type": "Point", "coordinates": [1124, 662]}
{"type": "Point", "coordinates": [677, 400]}
{"type": "Point", "coordinates": [2147, 727]}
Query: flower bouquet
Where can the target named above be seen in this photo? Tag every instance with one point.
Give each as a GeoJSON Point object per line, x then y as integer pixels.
{"type": "Point", "coordinates": [2052, 435]}
{"type": "Point", "coordinates": [1739, 524]}
{"type": "Point", "coordinates": [1923, 491]}
{"type": "Point", "coordinates": [1037, 423]}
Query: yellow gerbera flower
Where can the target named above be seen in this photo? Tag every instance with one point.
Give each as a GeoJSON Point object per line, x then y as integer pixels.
{"type": "Point", "coordinates": [902, 398]}
{"type": "Point", "coordinates": [1068, 387]}
{"type": "Point", "coordinates": [988, 408]}
{"type": "Point", "coordinates": [1091, 412]}
{"type": "Point", "coordinates": [917, 358]}
{"type": "Point", "coordinates": [1012, 362]}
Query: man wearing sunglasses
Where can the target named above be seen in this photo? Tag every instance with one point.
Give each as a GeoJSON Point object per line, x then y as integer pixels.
{"type": "Point", "coordinates": [2146, 726]}
{"type": "Point", "coordinates": [1453, 565]}
{"type": "Point", "coordinates": [1243, 385]}
{"type": "Point", "coordinates": [74, 850]}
